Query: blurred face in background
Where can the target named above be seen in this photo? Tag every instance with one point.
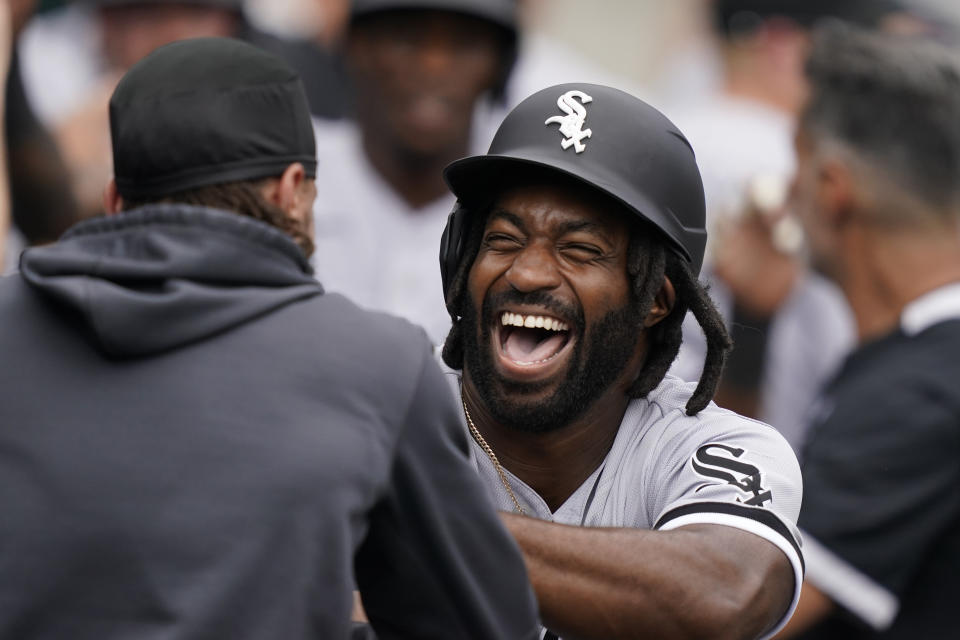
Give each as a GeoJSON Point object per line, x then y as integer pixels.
{"type": "Point", "coordinates": [810, 202]}
{"type": "Point", "coordinates": [418, 74]}
{"type": "Point", "coordinates": [132, 31]}
{"type": "Point", "coordinates": [20, 13]}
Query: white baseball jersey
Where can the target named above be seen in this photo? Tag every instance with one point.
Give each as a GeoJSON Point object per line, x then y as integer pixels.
{"type": "Point", "coordinates": [666, 470]}
{"type": "Point", "coordinates": [371, 245]}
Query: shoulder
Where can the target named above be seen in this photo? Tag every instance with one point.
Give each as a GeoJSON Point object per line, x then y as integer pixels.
{"type": "Point", "coordinates": [372, 361]}
{"type": "Point", "coordinates": [933, 356]}
{"type": "Point", "coordinates": [715, 456]}
{"type": "Point", "coordinates": [376, 333]}
{"type": "Point", "coordinates": [895, 405]}
{"type": "Point", "coordinates": [898, 380]}
{"type": "Point", "coordinates": [10, 286]}
{"type": "Point", "coordinates": [369, 355]}
{"type": "Point", "coordinates": [663, 413]}
{"type": "Point", "coordinates": [711, 456]}
{"type": "Point", "coordinates": [937, 344]}
{"type": "Point", "coordinates": [17, 300]}
{"type": "Point", "coordinates": [15, 308]}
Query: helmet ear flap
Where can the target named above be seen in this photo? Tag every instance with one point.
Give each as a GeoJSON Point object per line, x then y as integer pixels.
{"type": "Point", "coordinates": [451, 247]}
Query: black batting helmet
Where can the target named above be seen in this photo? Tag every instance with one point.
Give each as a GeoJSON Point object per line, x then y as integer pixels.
{"type": "Point", "coordinates": [236, 5]}
{"type": "Point", "coordinates": [500, 12]}
{"type": "Point", "coordinates": [603, 137]}
{"type": "Point", "coordinates": [734, 17]}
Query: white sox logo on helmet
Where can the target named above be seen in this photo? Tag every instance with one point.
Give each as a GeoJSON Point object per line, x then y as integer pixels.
{"type": "Point", "coordinates": [571, 125]}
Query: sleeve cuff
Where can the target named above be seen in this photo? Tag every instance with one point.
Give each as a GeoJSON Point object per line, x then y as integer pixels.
{"type": "Point", "coordinates": [755, 520]}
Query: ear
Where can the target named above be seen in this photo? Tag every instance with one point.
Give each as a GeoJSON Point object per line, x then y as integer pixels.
{"type": "Point", "coordinates": [285, 192]}
{"type": "Point", "coordinates": [836, 195]}
{"type": "Point", "coordinates": [112, 200]}
{"type": "Point", "coordinates": [662, 304]}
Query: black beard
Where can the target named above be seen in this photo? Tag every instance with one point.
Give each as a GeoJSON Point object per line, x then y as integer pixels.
{"type": "Point", "coordinates": [599, 357]}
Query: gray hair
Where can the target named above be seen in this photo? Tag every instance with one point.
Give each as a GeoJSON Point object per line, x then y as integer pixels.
{"type": "Point", "coordinates": [893, 103]}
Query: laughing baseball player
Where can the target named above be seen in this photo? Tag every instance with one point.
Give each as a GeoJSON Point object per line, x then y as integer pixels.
{"type": "Point", "coordinates": [569, 262]}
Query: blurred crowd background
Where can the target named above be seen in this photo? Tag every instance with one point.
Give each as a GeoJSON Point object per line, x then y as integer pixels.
{"type": "Point", "coordinates": [729, 72]}
{"type": "Point", "coordinates": [396, 98]}
{"type": "Point", "coordinates": [70, 53]}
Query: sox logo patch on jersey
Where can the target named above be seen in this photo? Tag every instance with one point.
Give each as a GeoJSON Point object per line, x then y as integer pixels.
{"type": "Point", "coordinates": [721, 462]}
{"type": "Point", "coordinates": [571, 125]}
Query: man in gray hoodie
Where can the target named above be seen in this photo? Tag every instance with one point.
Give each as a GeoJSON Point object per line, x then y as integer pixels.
{"type": "Point", "coordinates": [195, 440]}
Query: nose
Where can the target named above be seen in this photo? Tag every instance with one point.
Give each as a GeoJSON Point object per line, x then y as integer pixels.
{"type": "Point", "coordinates": [534, 268]}
{"type": "Point", "coordinates": [435, 51]}
{"type": "Point", "coordinates": [434, 58]}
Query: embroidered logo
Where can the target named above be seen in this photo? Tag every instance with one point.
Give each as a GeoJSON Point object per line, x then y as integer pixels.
{"type": "Point", "coordinates": [710, 461]}
{"type": "Point", "coordinates": [571, 125]}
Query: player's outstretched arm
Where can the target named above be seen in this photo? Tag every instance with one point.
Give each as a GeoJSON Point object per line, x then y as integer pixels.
{"type": "Point", "coordinates": [437, 562]}
{"type": "Point", "coordinates": [698, 581]}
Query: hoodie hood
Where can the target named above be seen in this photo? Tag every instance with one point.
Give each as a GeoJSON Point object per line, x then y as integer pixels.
{"type": "Point", "coordinates": [163, 276]}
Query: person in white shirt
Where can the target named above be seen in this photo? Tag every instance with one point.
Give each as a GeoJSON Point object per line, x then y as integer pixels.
{"type": "Point", "coordinates": [421, 72]}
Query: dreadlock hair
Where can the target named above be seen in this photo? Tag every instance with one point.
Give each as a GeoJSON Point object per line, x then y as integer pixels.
{"type": "Point", "coordinates": [244, 197]}
{"type": "Point", "coordinates": [649, 261]}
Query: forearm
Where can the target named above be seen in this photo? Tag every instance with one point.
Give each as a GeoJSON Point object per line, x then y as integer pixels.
{"type": "Point", "coordinates": [698, 581]}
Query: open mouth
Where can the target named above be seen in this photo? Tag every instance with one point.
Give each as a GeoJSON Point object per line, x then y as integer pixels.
{"type": "Point", "coordinates": [531, 340]}
{"type": "Point", "coordinates": [426, 111]}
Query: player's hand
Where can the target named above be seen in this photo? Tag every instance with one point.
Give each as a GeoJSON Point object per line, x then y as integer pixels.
{"type": "Point", "coordinates": [756, 256]}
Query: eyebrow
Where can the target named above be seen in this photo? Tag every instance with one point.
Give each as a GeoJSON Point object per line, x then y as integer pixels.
{"type": "Point", "coordinates": [584, 225]}
{"type": "Point", "coordinates": [503, 214]}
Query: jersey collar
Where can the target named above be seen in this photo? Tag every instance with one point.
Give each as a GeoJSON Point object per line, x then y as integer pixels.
{"type": "Point", "coordinates": [931, 308]}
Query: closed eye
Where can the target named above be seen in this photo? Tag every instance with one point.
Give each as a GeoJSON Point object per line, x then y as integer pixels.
{"type": "Point", "coordinates": [501, 242]}
{"type": "Point", "coordinates": [581, 252]}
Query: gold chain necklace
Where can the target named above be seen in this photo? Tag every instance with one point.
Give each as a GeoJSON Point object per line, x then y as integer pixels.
{"type": "Point", "coordinates": [493, 458]}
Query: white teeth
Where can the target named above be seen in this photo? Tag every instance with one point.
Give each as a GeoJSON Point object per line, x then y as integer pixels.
{"type": "Point", "coordinates": [531, 322]}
